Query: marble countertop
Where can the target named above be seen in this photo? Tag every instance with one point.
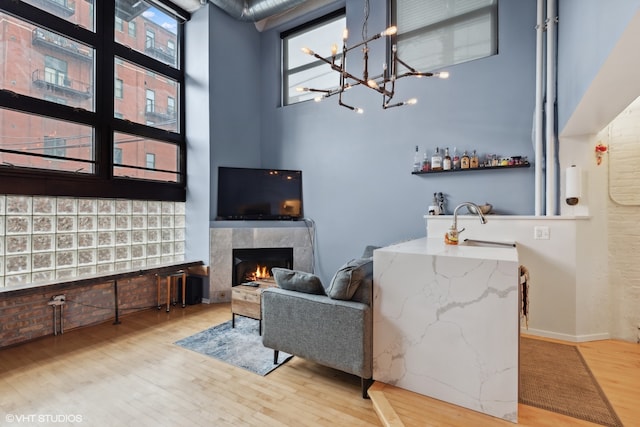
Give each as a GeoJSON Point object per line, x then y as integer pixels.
{"type": "Point", "coordinates": [436, 246]}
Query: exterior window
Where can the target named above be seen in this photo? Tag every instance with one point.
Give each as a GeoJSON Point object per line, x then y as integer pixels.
{"type": "Point", "coordinates": [68, 10]}
{"type": "Point", "coordinates": [150, 161]}
{"type": "Point", "coordinates": [55, 71]}
{"type": "Point", "coordinates": [150, 41]}
{"type": "Point", "coordinates": [51, 129]}
{"type": "Point", "coordinates": [55, 146]}
{"type": "Point", "coordinates": [117, 156]}
{"type": "Point", "coordinates": [438, 33]}
{"type": "Point", "coordinates": [302, 70]}
{"type": "Point", "coordinates": [151, 101]}
{"type": "Point", "coordinates": [118, 88]}
{"type": "Point", "coordinates": [132, 28]}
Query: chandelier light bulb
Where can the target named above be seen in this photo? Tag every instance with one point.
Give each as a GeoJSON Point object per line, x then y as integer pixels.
{"type": "Point", "coordinates": [317, 99]}
{"type": "Point", "coordinates": [345, 34]}
{"type": "Point", "coordinates": [443, 74]}
{"type": "Point", "coordinates": [372, 84]}
{"type": "Point", "coordinates": [307, 51]}
{"type": "Point", "coordinates": [358, 110]}
{"type": "Point", "coordinates": [389, 31]}
{"type": "Point", "coordinates": [334, 49]}
{"type": "Point", "coordinates": [301, 89]}
{"type": "Point", "coordinates": [411, 101]}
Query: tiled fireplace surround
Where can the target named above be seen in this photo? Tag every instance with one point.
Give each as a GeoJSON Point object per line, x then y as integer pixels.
{"type": "Point", "coordinates": [224, 240]}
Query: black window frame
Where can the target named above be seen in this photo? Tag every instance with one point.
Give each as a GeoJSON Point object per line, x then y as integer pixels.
{"type": "Point", "coordinates": [103, 183]}
{"type": "Point", "coordinates": [300, 29]}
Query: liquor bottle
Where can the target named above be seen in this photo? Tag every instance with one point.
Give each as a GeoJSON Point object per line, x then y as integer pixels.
{"type": "Point", "coordinates": [446, 162]}
{"type": "Point", "coordinates": [464, 161]}
{"type": "Point", "coordinates": [456, 159]}
{"type": "Point", "coordinates": [474, 160]}
{"type": "Point", "coordinates": [436, 160]}
{"type": "Point", "coordinates": [417, 164]}
{"type": "Point", "coordinates": [425, 162]}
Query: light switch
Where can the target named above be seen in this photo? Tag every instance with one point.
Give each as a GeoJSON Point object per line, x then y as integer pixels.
{"type": "Point", "coordinates": [541, 232]}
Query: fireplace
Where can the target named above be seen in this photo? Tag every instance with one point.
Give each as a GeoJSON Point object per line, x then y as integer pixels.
{"type": "Point", "coordinates": [255, 264]}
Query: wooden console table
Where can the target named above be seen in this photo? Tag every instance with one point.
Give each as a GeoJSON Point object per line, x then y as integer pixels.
{"type": "Point", "coordinates": [245, 301]}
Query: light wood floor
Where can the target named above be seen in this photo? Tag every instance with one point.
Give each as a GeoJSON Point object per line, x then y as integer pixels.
{"type": "Point", "coordinates": [133, 375]}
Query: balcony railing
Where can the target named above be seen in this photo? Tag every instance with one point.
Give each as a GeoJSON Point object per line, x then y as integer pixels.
{"type": "Point", "coordinates": [168, 57]}
{"type": "Point", "coordinates": [159, 117]}
{"type": "Point", "coordinates": [63, 7]}
{"type": "Point", "coordinates": [52, 40]}
{"type": "Point", "coordinates": [67, 87]}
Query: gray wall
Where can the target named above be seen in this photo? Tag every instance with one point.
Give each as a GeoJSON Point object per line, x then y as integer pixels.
{"type": "Point", "coordinates": [356, 168]}
{"type": "Point", "coordinates": [197, 130]}
{"type": "Point", "coordinates": [587, 31]}
{"type": "Point", "coordinates": [235, 93]}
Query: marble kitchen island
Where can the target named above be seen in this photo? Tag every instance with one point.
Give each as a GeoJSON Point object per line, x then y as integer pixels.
{"type": "Point", "coordinates": [446, 323]}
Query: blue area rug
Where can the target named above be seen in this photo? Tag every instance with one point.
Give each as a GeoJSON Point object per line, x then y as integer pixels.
{"type": "Point", "coordinates": [240, 346]}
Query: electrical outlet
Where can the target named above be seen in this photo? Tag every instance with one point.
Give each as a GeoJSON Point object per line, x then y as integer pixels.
{"type": "Point", "coordinates": [541, 232]}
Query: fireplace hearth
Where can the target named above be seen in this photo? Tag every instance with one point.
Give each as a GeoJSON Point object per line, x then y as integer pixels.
{"type": "Point", "coordinates": [255, 264]}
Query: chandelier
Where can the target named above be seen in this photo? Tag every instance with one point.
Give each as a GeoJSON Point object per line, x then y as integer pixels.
{"type": "Point", "coordinates": [383, 83]}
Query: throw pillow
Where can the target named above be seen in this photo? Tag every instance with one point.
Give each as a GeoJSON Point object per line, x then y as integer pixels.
{"type": "Point", "coordinates": [348, 278]}
{"type": "Point", "coordinates": [299, 281]}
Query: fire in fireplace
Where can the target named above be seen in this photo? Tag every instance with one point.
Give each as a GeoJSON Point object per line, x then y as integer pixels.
{"type": "Point", "coordinates": [250, 265]}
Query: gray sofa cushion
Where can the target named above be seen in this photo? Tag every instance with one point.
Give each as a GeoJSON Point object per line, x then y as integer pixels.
{"type": "Point", "coordinates": [300, 281]}
{"type": "Point", "coordinates": [348, 278]}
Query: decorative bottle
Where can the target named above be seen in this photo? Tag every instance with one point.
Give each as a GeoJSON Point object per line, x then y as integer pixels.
{"type": "Point", "coordinates": [417, 164]}
{"type": "Point", "coordinates": [464, 161]}
{"type": "Point", "coordinates": [425, 162]}
{"type": "Point", "coordinates": [474, 160]}
{"type": "Point", "coordinates": [456, 159]}
{"type": "Point", "coordinates": [436, 160]}
{"type": "Point", "coordinates": [446, 162]}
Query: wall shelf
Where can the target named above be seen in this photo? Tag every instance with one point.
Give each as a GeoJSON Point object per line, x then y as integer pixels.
{"type": "Point", "coordinates": [524, 165]}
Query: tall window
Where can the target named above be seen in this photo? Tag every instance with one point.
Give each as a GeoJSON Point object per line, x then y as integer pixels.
{"type": "Point", "coordinates": [151, 101]}
{"type": "Point", "coordinates": [151, 160]}
{"type": "Point", "coordinates": [132, 28]}
{"type": "Point", "coordinates": [434, 34]}
{"type": "Point", "coordinates": [118, 88]}
{"type": "Point", "coordinates": [55, 71]}
{"type": "Point", "coordinates": [150, 41]}
{"type": "Point", "coordinates": [171, 106]}
{"type": "Point", "coordinates": [58, 67]}
{"type": "Point", "coordinates": [302, 70]}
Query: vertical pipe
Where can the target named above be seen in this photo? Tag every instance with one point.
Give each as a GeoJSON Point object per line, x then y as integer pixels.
{"type": "Point", "coordinates": [551, 189]}
{"type": "Point", "coordinates": [538, 130]}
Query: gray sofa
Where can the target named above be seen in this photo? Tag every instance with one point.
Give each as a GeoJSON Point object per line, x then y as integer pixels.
{"type": "Point", "coordinates": [330, 325]}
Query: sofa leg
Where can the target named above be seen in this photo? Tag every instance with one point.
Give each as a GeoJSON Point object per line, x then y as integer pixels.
{"type": "Point", "coordinates": [275, 357]}
{"type": "Point", "coordinates": [366, 383]}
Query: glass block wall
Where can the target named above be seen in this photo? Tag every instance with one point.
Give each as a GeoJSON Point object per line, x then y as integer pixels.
{"type": "Point", "coordinates": [49, 238]}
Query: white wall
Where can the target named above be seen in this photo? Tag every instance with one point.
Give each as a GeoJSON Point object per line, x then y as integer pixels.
{"type": "Point", "coordinates": [556, 311]}
{"type": "Point", "coordinates": [606, 245]}
{"type": "Point", "coordinates": [623, 218]}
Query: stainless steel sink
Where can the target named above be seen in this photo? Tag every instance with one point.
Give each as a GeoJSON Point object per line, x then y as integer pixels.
{"type": "Point", "coordinates": [488, 243]}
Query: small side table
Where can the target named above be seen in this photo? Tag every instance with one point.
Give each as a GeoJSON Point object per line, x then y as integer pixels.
{"type": "Point", "coordinates": [246, 301]}
{"type": "Point", "coordinates": [172, 280]}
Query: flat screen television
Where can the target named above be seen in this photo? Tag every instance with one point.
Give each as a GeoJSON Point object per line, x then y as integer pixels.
{"type": "Point", "coordinates": [259, 194]}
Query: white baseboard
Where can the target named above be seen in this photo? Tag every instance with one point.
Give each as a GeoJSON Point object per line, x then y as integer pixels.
{"type": "Point", "coordinates": [566, 337]}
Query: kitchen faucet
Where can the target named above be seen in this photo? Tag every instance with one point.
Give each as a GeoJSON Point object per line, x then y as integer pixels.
{"type": "Point", "coordinates": [451, 237]}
